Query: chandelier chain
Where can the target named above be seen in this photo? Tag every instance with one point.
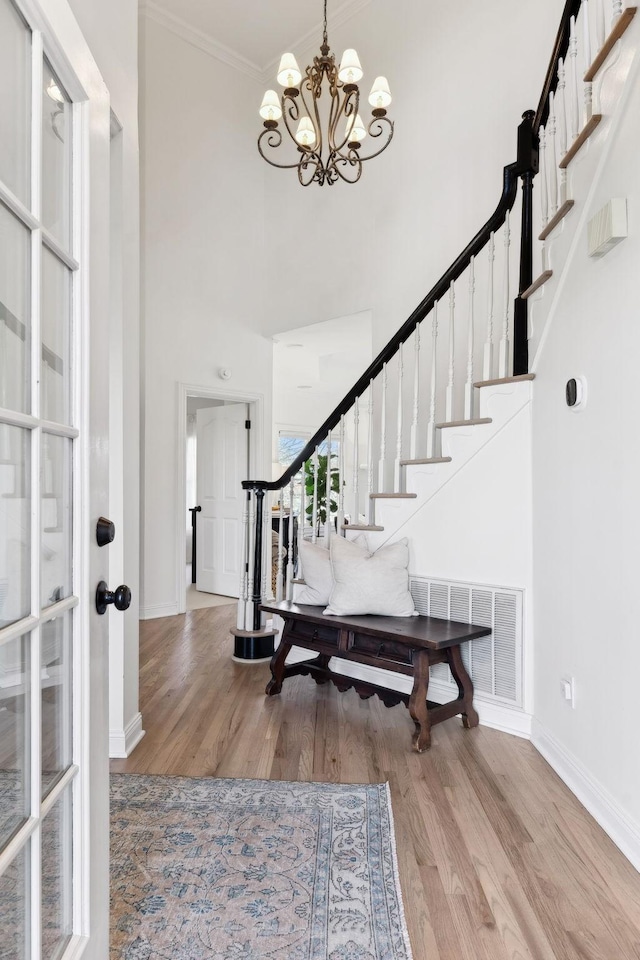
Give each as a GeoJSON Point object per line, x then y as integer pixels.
{"type": "Point", "coordinates": [325, 39]}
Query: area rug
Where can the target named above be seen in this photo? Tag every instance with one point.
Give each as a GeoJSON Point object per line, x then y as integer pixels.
{"type": "Point", "coordinates": [218, 869]}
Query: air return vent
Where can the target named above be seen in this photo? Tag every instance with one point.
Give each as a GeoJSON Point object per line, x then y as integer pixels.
{"type": "Point", "coordinates": [494, 662]}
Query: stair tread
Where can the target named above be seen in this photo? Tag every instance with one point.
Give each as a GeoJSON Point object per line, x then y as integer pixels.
{"type": "Point", "coordinates": [410, 463]}
{"type": "Point", "coordinates": [361, 526]}
{"type": "Point", "coordinates": [618, 29]}
{"type": "Point", "coordinates": [539, 282]}
{"type": "Point", "coordinates": [463, 423]}
{"type": "Point", "coordinates": [556, 218]}
{"type": "Point", "coordinates": [393, 496]}
{"type": "Point", "coordinates": [496, 383]}
{"type": "Point", "coordinates": [581, 139]}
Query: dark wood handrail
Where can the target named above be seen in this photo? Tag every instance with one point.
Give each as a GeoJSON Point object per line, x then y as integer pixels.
{"type": "Point", "coordinates": [560, 47]}
{"type": "Point", "coordinates": [457, 268]}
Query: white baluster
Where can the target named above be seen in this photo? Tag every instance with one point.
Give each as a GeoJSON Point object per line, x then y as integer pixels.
{"type": "Point", "coordinates": [327, 493]}
{"type": "Point", "coordinates": [383, 431]}
{"type": "Point", "coordinates": [616, 11]}
{"type": "Point", "coordinates": [301, 516]}
{"type": "Point", "coordinates": [600, 26]}
{"type": "Point", "coordinates": [399, 428]}
{"type": "Point", "coordinates": [544, 199]}
{"type": "Point", "coordinates": [573, 92]}
{"type": "Point", "coordinates": [341, 476]}
{"type": "Point", "coordinates": [487, 363]}
{"type": "Point", "coordinates": [448, 409]}
{"type": "Point", "coordinates": [431, 426]}
{"type": "Point", "coordinates": [280, 587]}
{"type": "Point", "coordinates": [370, 448]}
{"type": "Point", "coordinates": [468, 387]}
{"type": "Point", "coordinates": [503, 357]}
{"type": "Point", "coordinates": [314, 509]}
{"type": "Point", "coordinates": [356, 462]}
{"type": "Point", "coordinates": [588, 87]}
{"type": "Point", "coordinates": [553, 161]}
{"type": "Point", "coordinates": [416, 394]}
{"type": "Point", "coordinates": [290, 552]}
{"type": "Point", "coordinates": [562, 128]}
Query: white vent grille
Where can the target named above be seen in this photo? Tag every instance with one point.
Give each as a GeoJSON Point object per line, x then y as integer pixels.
{"type": "Point", "coordinates": [495, 661]}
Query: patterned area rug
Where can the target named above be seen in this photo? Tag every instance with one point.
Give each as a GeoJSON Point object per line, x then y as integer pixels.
{"type": "Point", "coordinates": [253, 870]}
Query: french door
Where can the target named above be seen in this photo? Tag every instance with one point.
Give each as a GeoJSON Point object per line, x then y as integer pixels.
{"type": "Point", "coordinates": [54, 142]}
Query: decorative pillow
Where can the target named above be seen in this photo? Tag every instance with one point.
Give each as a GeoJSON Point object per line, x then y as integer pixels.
{"type": "Point", "coordinates": [367, 582]}
{"type": "Point", "coordinates": [316, 572]}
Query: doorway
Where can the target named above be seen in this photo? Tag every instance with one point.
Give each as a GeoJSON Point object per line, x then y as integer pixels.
{"type": "Point", "coordinates": [219, 436]}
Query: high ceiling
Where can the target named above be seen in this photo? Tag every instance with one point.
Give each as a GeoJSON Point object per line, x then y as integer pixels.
{"type": "Point", "coordinates": [257, 31]}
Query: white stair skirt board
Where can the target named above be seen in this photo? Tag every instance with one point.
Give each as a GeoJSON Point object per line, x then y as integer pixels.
{"type": "Point", "coordinates": [624, 832]}
{"type": "Point", "coordinates": [503, 402]}
{"type": "Point", "coordinates": [122, 743]}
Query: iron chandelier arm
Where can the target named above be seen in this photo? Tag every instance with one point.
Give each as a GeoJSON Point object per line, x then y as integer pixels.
{"type": "Point", "coordinates": [273, 139]}
{"type": "Point", "coordinates": [346, 110]}
{"type": "Point", "coordinates": [378, 133]}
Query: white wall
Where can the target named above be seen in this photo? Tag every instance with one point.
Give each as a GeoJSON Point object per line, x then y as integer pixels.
{"type": "Point", "coordinates": [382, 243]}
{"type": "Point", "coordinates": [586, 508]}
{"type": "Point", "coordinates": [112, 34]}
{"type": "Point", "coordinates": [203, 269]}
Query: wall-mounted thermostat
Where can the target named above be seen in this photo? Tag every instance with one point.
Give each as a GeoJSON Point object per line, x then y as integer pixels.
{"type": "Point", "coordinates": [576, 393]}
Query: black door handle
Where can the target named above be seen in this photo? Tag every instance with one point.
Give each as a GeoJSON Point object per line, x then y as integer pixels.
{"type": "Point", "coordinates": [120, 597]}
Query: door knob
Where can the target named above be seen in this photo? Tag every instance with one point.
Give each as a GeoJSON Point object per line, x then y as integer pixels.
{"type": "Point", "coordinates": [120, 597]}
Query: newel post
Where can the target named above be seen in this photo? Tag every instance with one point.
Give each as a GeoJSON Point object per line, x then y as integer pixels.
{"type": "Point", "coordinates": [252, 640]}
{"type": "Point", "coordinates": [526, 168]}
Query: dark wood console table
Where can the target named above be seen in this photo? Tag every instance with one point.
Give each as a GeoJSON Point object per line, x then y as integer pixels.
{"type": "Point", "coordinates": [408, 645]}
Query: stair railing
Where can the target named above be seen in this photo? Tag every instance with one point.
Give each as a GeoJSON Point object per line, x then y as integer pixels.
{"type": "Point", "coordinates": [568, 111]}
{"type": "Point", "coordinates": [391, 415]}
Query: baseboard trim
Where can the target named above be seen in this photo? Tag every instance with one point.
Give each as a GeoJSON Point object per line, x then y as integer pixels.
{"type": "Point", "coordinates": [158, 610]}
{"type": "Point", "coordinates": [122, 743]}
{"type": "Point", "coordinates": [615, 822]}
{"type": "Point", "coordinates": [499, 716]}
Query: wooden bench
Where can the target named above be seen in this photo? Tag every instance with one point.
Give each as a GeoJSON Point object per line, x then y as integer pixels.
{"type": "Point", "coordinates": [407, 645]}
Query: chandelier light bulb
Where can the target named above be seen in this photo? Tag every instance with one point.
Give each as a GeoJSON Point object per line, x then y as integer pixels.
{"type": "Point", "coordinates": [289, 72]}
{"type": "Point", "coordinates": [270, 108]}
{"type": "Point", "coordinates": [356, 130]}
{"type": "Point", "coordinates": [306, 134]}
{"type": "Point", "coordinates": [380, 96]}
{"type": "Point", "coordinates": [350, 68]}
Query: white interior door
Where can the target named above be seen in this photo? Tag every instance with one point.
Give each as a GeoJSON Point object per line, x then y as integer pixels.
{"type": "Point", "coordinates": [222, 455]}
{"type": "Point", "coordinates": [54, 177]}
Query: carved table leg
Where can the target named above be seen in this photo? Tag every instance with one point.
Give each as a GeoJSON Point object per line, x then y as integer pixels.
{"type": "Point", "coordinates": [418, 701]}
{"type": "Point", "coordinates": [277, 663]}
{"type": "Point", "coordinates": [465, 687]}
{"type": "Point", "coordinates": [322, 660]}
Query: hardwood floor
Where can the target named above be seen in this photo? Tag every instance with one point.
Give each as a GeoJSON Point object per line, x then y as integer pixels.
{"type": "Point", "coordinates": [498, 860]}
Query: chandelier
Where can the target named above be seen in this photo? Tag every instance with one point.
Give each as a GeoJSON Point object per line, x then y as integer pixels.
{"type": "Point", "coordinates": [324, 157]}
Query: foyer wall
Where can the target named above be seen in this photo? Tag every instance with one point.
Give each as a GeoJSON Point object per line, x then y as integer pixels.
{"type": "Point", "coordinates": [586, 514]}
{"type": "Point", "coordinates": [203, 269]}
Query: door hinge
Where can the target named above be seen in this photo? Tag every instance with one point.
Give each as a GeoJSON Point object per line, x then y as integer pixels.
{"type": "Point", "coordinates": [247, 424]}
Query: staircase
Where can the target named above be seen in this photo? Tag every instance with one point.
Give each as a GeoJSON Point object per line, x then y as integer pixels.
{"type": "Point", "coordinates": [433, 441]}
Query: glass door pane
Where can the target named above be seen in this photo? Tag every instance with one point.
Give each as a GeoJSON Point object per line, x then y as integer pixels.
{"type": "Point", "coordinates": [15, 102]}
{"type": "Point", "coordinates": [15, 707]}
{"type": "Point", "coordinates": [56, 158]}
{"type": "Point", "coordinates": [56, 877]}
{"type": "Point", "coordinates": [55, 488]}
{"type": "Point", "coordinates": [15, 323]}
{"type": "Point", "coordinates": [55, 386]}
{"type": "Point", "coordinates": [15, 524]}
{"type": "Point", "coordinates": [55, 680]}
{"type": "Point", "coordinates": [14, 899]}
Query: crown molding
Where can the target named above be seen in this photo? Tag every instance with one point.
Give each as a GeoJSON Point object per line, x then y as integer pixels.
{"type": "Point", "coordinates": [197, 38]}
{"type": "Point", "coordinates": [205, 42]}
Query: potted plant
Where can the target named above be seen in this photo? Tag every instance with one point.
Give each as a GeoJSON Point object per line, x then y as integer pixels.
{"type": "Point", "coordinates": [324, 461]}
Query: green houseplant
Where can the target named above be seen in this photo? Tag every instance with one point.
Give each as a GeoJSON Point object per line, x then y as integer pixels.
{"type": "Point", "coordinates": [324, 462]}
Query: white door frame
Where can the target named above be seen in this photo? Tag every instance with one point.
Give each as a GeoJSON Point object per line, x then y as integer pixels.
{"type": "Point", "coordinates": [256, 458]}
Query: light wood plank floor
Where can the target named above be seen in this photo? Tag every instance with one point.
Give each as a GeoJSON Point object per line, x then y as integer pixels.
{"type": "Point", "coordinates": [498, 860]}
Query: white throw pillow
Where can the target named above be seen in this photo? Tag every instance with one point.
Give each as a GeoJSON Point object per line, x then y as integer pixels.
{"type": "Point", "coordinates": [316, 572]}
{"type": "Point", "coordinates": [365, 582]}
